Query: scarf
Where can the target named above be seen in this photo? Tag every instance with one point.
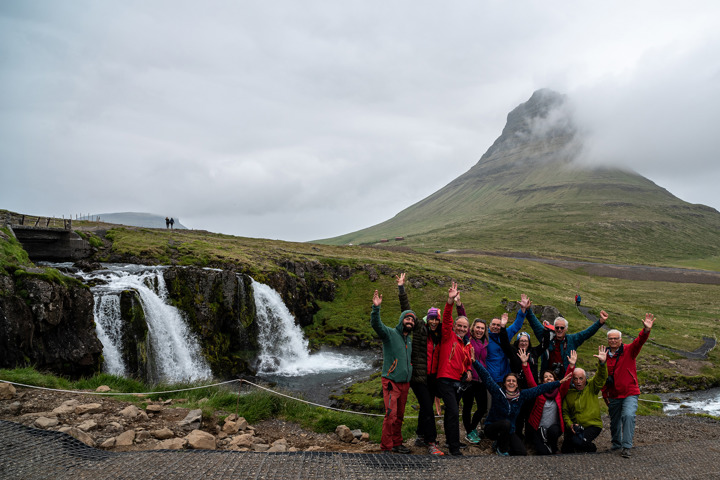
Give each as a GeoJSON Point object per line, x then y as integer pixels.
{"type": "Point", "coordinates": [551, 394]}
{"type": "Point", "coordinates": [512, 396]}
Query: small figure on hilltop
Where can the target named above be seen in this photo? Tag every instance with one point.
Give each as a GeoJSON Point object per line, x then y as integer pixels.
{"type": "Point", "coordinates": [172, 223]}
{"type": "Point", "coordinates": [621, 390]}
{"type": "Point", "coordinates": [578, 299]}
{"type": "Point", "coordinates": [396, 373]}
{"type": "Point", "coordinates": [167, 223]}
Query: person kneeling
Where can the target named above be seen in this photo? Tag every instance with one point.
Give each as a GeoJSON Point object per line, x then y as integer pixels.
{"type": "Point", "coordinates": [581, 410]}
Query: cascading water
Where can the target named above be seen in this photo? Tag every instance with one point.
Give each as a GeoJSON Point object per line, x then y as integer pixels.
{"type": "Point", "coordinates": [283, 347]}
{"type": "Point", "coordinates": [176, 355]}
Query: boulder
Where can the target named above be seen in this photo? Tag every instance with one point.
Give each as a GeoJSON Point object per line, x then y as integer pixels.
{"type": "Point", "coordinates": [67, 407]}
{"type": "Point", "coordinates": [7, 391]}
{"type": "Point", "coordinates": [80, 435]}
{"type": "Point", "coordinates": [357, 433]}
{"type": "Point", "coordinates": [152, 408]}
{"type": "Point", "coordinates": [103, 389]}
{"type": "Point", "coordinates": [280, 448]}
{"type": "Point", "coordinates": [88, 408]}
{"type": "Point", "coordinates": [87, 425]}
{"type": "Point", "coordinates": [142, 436]}
{"type": "Point", "coordinates": [230, 428]}
{"type": "Point", "coordinates": [193, 417]}
{"type": "Point", "coordinates": [125, 439]}
{"type": "Point", "coordinates": [45, 422]}
{"type": "Point", "coordinates": [365, 437]}
{"type": "Point", "coordinates": [162, 434]}
{"type": "Point", "coordinates": [131, 411]}
{"type": "Point", "coordinates": [344, 434]}
{"type": "Point", "coordinates": [243, 441]}
{"type": "Point", "coordinates": [109, 443]}
{"type": "Point", "coordinates": [241, 423]}
{"type": "Point", "coordinates": [172, 444]}
{"type": "Point", "coordinates": [197, 439]}
{"type": "Point", "coordinates": [261, 447]}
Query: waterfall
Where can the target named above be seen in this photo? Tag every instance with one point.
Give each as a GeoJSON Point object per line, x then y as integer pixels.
{"type": "Point", "coordinates": [283, 346]}
{"type": "Point", "coordinates": [176, 354]}
{"type": "Point", "coordinates": [107, 325]}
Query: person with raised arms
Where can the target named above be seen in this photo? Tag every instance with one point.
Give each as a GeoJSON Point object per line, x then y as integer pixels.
{"type": "Point", "coordinates": [621, 391]}
{"type": "Point", "coordinates": [425, 356]}
{"type": "Point", "coordinates": [504, 408]}
{"type": "Point", "coordinates": [581, 409]}
{"type": "Point", "coordinates": [396, 372]}
{"type": "Point", "coordinates": [454, 368]}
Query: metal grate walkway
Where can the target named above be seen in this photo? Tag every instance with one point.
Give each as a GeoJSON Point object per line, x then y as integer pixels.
{"type": "Point", "coordinates": [28, 453]}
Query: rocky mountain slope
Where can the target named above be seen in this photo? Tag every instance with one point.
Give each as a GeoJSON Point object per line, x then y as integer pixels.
{"type": "Point", "coordinates": [530, 192]}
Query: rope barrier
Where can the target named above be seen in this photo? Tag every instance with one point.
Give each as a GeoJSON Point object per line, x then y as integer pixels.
{"type": "Point", "coordinates": [119, 393]}
{"type": "Point", "coordinates": [254, 385]}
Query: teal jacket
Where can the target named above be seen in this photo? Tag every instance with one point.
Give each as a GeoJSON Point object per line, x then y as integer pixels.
{"type": "Point", "coordinates": [397, 347]}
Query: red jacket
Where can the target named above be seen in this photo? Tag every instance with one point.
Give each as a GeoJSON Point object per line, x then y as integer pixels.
{"type": "Point", "coordinates": [623, 369]}
{"type": "Point", "coordinates": [537, 410]}
{"type": "Point", "coordinates": [455, 356]}
{"type": "Point", "coordinates": [433, 356]}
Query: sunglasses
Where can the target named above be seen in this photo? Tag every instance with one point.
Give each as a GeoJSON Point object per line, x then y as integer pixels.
{"type": "Point", "coordinates": [559, 328]}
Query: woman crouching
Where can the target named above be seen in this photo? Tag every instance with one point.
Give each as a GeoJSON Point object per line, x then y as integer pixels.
{"type": "Point", "coordinates": [504, 409]}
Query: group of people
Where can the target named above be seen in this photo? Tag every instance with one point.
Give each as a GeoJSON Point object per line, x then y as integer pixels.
{"type": "Point", "coordinates": [537, 390]}
{"type": "Point", "coordinates": [169, 222]}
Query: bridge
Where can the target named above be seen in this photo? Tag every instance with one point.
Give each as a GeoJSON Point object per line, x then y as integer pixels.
{"type": "Point", "coordinates": [45, 242]}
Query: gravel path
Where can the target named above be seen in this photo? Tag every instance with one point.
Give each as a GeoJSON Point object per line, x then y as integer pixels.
{"type": "Point", "coordinates": [690, 450]}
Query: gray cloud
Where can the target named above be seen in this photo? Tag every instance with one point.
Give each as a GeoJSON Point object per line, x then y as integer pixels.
{"type": "Point", "coordinates": [302, 120]}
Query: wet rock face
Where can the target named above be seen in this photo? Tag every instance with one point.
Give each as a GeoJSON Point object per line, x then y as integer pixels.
{"type": "Point", "coordinates": [48, 325]}
{"type": "Point", "coordinates": [221, 311]}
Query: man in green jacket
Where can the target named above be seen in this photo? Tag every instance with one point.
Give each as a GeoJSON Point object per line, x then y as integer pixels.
{"type": "Point", "coordinates": [396, 372]}
{"type": "Point", "coordinates": [581, 410]}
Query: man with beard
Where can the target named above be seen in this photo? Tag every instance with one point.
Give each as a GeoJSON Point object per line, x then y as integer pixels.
{"type": "Point", "coordinates": [396, 372]}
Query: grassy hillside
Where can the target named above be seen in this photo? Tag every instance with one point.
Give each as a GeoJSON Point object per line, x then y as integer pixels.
{"type": "Point", "coordinates": [686, 312]}
{"type": "Point", "coordinates": [530, 193]}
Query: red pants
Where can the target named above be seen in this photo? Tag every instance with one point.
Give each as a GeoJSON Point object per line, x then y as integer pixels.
{"type": "Point", "coordinates": [394, 396]}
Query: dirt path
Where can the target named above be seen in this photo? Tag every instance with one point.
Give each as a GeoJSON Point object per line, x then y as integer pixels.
{"type": "Point", "coordinates": [626, 272]}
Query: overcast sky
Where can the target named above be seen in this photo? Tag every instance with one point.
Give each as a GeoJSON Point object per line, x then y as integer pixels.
{"type": "Point", "coordinates": [300, 120]}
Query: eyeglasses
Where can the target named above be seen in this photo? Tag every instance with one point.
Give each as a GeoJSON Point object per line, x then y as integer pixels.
{"type": "Point", "coordinates": [559, 328]}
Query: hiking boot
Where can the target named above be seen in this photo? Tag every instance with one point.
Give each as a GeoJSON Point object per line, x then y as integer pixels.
{"type": "Point", "coordinates": [420, 442]}
{"type": "Point", "coordinates": [433, 450]}
{"type": "Point", "coordinates": [456, 453]}
{"type": "Point", "coordinates": [501, 454]}
{"type": "Point", "coordinates": [401, 449]}
{"type": "Point", "coordinates": [462, 445]}
{"type": "Point", "coordinates": [625, 452]}
{"type": "Point", "coordinates": [472, 437]}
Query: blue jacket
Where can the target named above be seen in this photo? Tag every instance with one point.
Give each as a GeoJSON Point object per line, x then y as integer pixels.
{"type": "Point", "coordinates": [497, 363]}
{"type": "Point", "coordinates": [571, 341]}
{"type": "Point", "coordinates": [503, 409]}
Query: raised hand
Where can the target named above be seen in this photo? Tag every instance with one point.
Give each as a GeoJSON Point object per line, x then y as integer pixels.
{"type": "Point", "coordinates": [572, 358]}
{"type": "Point", "coordinates": [602, 354]}
{"type": "Point", "coordinates": [452, 292]}
{"type": "Point", "coordinates": [603, 317]}
{"type": "Point", "coordinates": [524, 356]}
{"type": "Point", "coordinates": [649, 321]}
{"type": "Point", "coordinates": [400, 279]}
{"type": "Point", "coordinates": [457, 299]}
{"type": "Point", "coordinates": [566, 378]}
{"type": "Point", "coordinates": [504, 319]}
{"type": "Point", "coordinates": [524, 303]}
{"type": "Point", "coordinates": [377, 299]}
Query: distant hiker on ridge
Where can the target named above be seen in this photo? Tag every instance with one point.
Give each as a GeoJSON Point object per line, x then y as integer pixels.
{"type": "Point", "coordinates": [167, 223]}
{"type": "Point", "coordinates": [172, 222]}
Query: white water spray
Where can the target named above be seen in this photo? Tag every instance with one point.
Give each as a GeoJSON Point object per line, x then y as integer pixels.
{"type": "Point", "coordinates": [176, 352]}
{"type": "Point", "coordinates": [283, 346]}
{"type": "Point", "coordinates": [107, 326]}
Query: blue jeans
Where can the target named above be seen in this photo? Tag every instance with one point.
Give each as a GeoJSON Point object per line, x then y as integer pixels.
{"type": "Point", "coordinates": [622, 421]}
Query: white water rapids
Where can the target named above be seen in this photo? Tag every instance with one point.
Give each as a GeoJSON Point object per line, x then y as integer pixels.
{"type": "Point", "coordinates": [176, 355]}
{"type": "Point", "coordinates": [283, 347]}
